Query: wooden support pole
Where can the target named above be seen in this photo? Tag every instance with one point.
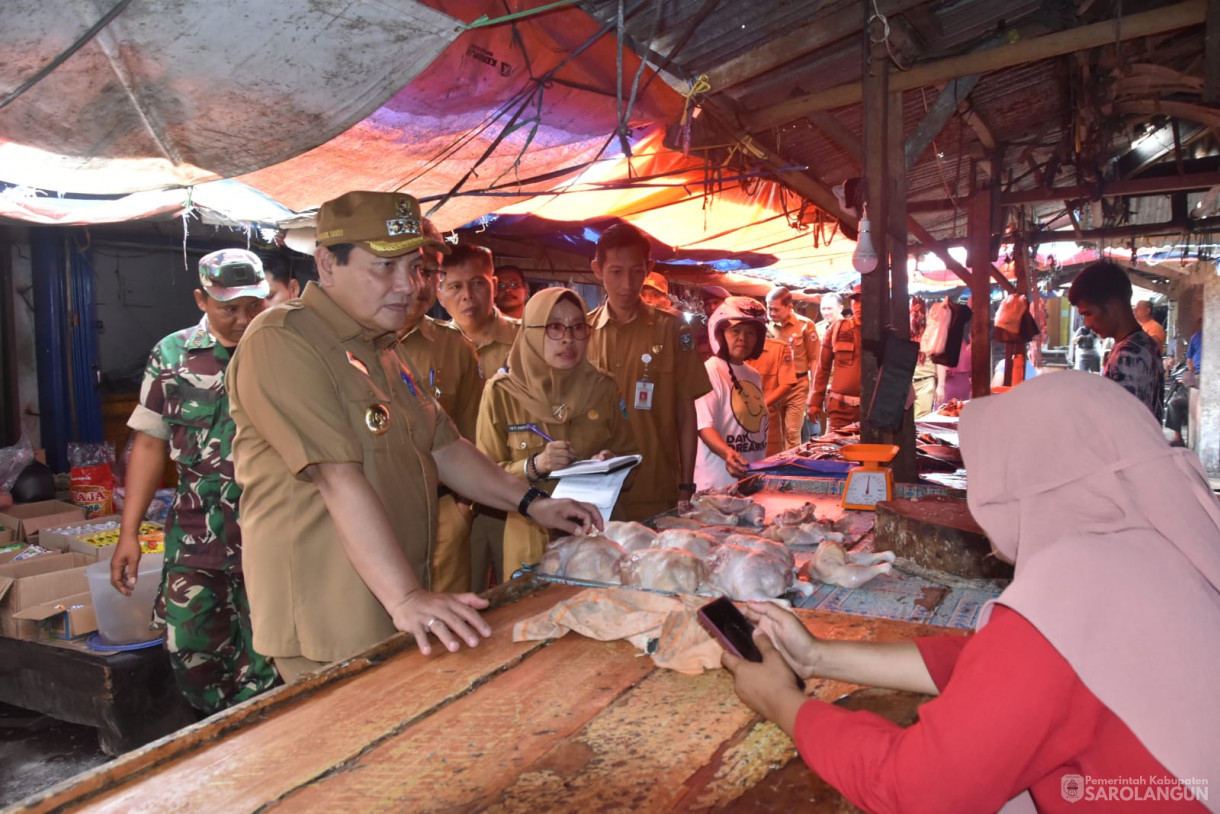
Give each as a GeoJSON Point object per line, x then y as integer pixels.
{"type": "Point", "coordinates": [874, 286]}
{"type": "Point", "coordinates": [904, 466]}
{"type": "Point", "coordinates": [1022, 52]}
{"type": "Point", "coordinates": [938, 115]}
{"type": "Point", "coordinates": [979, 228]}
{"type": "Point", "coordinates": [1211, 54]}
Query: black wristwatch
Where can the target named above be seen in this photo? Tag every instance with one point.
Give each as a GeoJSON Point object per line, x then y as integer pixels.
{"type": "Point", "coordinates": [533, 494]}
{"type": "Point", "coordinates": [688, 487]}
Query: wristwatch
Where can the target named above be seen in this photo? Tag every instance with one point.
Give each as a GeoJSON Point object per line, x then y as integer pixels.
{"type": "Point", "coordinates": [533, 494]}
{"type": "Point", "coordinates": [688, 487]}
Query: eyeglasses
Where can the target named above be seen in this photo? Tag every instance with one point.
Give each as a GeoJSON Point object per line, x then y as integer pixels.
{"type": "Point", "coordinates": [511, 285]}
{"type": "Point", "coordinates": [557, 330]}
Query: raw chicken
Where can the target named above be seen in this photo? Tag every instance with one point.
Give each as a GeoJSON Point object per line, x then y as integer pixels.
{"type": "Point", "coordinates": [583, 556]}
{"type": "Point", "coordinates": [669, 522]}
{"type": "Point", "coordinates": [740, 573]}
{"type": "Point", "coordinates": [727, 504]}
{"type": "Point", "coordinates": [630, 535]}
{"type": "Point", "coordinates": [754, 516]}
{"type": "Point", "coordinates": [796, 516]}
{"type": "Point", "coordinates": [807, 534]}
{"type": "Point", "coordinates": [663, 569]}
{"type": "Point", "coordinates": [695, 542]}
{"type": "Point", "coordinates": [771, 548]}
{"type": "Point", "coordinates": [834, 566]}
{"type": "Point", "coordinates": [709, 516]}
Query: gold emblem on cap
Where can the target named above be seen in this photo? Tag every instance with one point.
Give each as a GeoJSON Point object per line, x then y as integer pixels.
{"type": "Point", "coordinates": [377, 419]}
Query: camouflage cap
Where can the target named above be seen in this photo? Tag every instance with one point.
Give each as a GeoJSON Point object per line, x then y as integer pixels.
{"type": "Point", "coordinates": [388, 224]}
{"type": "Point", "coordinates": [231, 273]}
{"type": "Point", "coordinates": [657, 281]}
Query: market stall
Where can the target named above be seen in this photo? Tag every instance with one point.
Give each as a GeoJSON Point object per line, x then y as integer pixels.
{"type": "Point", "coordinates": [507, 726]}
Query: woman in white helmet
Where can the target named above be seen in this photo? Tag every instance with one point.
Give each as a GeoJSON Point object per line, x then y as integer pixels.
{"type": "Point", "coordinates": [732, 419]}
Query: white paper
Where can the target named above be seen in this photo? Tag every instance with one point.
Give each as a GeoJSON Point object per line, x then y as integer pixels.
{"type": "Point", "coordinates": [593, 466]}
{"type": "Point", "coordinates": [600, 490]}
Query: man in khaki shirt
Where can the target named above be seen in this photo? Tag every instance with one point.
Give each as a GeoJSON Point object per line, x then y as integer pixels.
{"type": "Point", "coordinates": [340, 448]}
{"type": "Point", "coordinates": [651, 355]}
{"type": "Point", "coordinates": [465, 289]}
{"type": "Point", "coordinates": [787, 392]}
{"type": "Point", "coordinates": [449, 364]}
{"type": "Point", "coordinates": [835, 395]}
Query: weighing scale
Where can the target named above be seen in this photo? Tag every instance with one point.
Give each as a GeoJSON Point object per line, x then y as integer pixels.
{"type": "Point", "coordinates": [870, 483]}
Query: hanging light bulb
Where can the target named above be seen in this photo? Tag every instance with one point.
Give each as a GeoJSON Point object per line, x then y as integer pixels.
{"type": "Point", "coordinates": [864, 258]}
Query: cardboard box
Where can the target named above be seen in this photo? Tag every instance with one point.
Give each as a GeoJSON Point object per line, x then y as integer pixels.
{"type": "Point", "coordinates": [7, 534]}
{"type": "Point", "coordinates": [27, 519]}
{"type": "Point", "coordinates": [69, 617]}
{"type": "Point", "coordinates": [34, 582]}
{"type": "Point", "coordinates": [59, 539]}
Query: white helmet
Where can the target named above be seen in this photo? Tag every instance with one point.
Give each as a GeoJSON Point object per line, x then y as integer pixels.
{"type": "Point", "coordinates": [734, 311]}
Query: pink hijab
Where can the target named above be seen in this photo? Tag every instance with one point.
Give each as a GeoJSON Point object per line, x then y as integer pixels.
{"type": "Point", "coordinates": [1115, 536]}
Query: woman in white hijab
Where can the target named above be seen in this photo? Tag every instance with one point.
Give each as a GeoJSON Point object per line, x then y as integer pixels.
{"type": "Point", "coordinates": [1092, 677]}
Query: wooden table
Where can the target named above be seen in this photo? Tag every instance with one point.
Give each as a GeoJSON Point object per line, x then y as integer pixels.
{"type": "Point", "coordinates": [566, 725]}
{"type": "Point", "coordinates": [130, 697]}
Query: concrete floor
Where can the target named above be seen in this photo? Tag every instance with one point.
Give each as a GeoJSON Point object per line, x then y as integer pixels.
{"type": "Point", "coordinates": [36, 752]}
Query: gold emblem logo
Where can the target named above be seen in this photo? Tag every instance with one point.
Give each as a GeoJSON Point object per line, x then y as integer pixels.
{"type": "Point", "coordinates": [377, 419]}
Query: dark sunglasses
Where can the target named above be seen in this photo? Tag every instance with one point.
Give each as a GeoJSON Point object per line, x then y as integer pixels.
{"type": "Point", "coordinates": [557, 330]}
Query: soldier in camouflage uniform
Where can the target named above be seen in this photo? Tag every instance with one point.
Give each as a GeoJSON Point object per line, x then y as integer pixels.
{"type": "Point", "coordinates": [184, 411]}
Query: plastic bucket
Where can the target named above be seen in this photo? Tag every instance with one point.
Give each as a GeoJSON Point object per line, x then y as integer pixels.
{"type": "Point", "coordinates": [124, 619]}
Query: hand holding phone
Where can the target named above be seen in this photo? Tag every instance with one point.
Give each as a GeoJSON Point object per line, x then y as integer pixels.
{"type": "Point", "coordinates": [728, 626]}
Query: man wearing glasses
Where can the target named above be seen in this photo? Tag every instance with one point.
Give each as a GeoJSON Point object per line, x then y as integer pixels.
{"type": "Point", "coordinates": [511, 291]}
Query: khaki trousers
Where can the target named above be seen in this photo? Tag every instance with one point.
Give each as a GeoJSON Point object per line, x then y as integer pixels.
{"type": "Point", "coordinates": [451, 554]}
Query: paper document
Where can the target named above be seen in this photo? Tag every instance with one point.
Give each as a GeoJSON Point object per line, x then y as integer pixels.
{"type": "Point", "coordinates": [594, 467]}
{"type": "Point", "coordinates": [599, 488]}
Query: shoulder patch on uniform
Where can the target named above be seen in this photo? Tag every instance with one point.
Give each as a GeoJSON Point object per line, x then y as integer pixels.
{"type": "Point", "coordinates": [622, 408]}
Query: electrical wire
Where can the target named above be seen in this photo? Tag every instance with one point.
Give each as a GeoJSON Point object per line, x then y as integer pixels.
{"type": "Point", "coordinates": [63, 57]}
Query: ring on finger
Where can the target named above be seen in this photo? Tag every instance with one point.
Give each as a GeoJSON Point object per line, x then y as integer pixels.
{"type": "Point", "coordinates": [430, 623]}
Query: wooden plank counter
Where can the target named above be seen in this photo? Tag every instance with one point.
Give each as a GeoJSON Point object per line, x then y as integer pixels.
{"type": "Point", "coordinates": [566, 725]}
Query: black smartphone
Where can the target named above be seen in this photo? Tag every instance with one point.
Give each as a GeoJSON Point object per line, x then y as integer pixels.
{"type": "Point", "coordinates": [728, 626]}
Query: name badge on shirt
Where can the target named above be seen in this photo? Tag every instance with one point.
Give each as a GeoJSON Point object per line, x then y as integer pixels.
{"type": "Point", "coordinates": [643, 394]}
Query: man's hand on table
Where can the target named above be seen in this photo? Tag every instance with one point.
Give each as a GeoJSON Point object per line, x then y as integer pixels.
{"type": "Point", "coordinates": [569, 516]}
{"type": "Point", "coordinates": [451, 618]}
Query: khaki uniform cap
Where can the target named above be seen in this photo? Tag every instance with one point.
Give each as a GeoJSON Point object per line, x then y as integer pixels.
{"type": "Point", "coordinates": [388, 224]}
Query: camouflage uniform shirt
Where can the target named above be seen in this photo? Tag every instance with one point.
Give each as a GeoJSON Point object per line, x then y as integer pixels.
{"type": "Point", "coordinates": [183, 401]}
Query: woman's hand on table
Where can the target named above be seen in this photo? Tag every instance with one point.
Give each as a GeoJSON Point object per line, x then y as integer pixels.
{"type": "Point", "coordinates": [789, 636]}
{"type": "Point", "coordinates": [768, 687]}
{"type": "Point", "coordinates": [451, 618]}
{"type": "Point", "coordinates": [557, 455]}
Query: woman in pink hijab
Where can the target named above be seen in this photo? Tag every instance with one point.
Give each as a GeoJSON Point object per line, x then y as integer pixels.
{"type": "Point", "coordinates": [1092, 678]}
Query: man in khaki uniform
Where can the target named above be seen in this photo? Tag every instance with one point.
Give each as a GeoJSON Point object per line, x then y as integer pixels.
{"type": "Point", "coordinates": [651, 355]}
{"type": "Point", "coordinates": [793, 342]}
{"type": "Point", "coordinates": [340, 449]}
{"type": "Point", "coordinates": [450, 365]}
{"type": "Point", "coordinates": [465, 290]}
